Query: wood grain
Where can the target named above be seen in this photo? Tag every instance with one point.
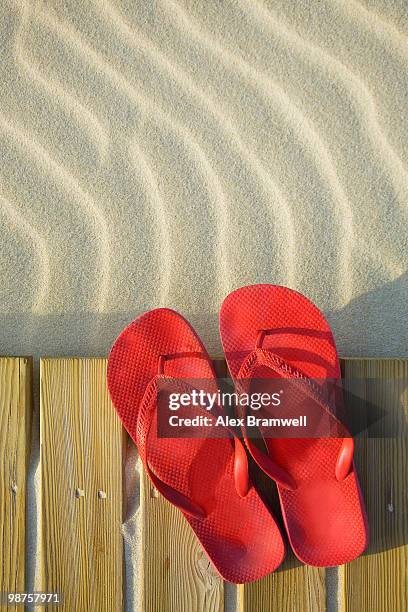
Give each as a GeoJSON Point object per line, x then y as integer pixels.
{"type": "Point", "coordinates": [176, 574]}
{"type": "Point", "coordinates": [379, 579]}
{"type": "Point", "coordinates": [15, 430]}
{"type": "Point", "coordinates": [81, 471]}
{"type": "Point", "coordinates": [82, 546]}
{"type": "Point", "coordinates": [292, 588]}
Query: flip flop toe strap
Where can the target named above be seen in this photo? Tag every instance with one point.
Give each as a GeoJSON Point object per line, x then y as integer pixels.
{"type": "Point", "coordinates": [148, 408]}
{"type": "Point", "coordinates": [264, 357]}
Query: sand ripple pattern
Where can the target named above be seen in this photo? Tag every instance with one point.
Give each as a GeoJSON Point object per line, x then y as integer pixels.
{"type": "Point", "coordinates": [164, 153]}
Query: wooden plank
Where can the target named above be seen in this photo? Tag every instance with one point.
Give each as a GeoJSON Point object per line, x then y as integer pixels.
{"type": "Point", "coordinates": [294, 587]}
{"type": "Point", "coordinates": [15, 430]}
{"type": "Point", "coordinates": [175, 574]}
{"type": "Point", "coordinates": [379, 579]}
{"type": "Point", "coordinates": [81, 471]}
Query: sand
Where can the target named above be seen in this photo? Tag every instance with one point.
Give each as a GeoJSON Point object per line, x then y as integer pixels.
{"type": "Point", "coordinates": [164, 153]}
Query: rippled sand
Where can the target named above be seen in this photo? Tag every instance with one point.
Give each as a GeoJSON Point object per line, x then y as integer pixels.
{"type": "Point", "coordinates": [164, 153]}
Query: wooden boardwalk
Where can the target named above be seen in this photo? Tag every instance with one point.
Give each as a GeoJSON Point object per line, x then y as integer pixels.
{"type": "Point", "coordinates": [82, 506]}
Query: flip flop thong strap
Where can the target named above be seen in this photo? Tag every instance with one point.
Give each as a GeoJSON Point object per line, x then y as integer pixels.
{"type": "Point", "coordinates": [264, 357]}
{"type": "Point", "coordinates": [147, 410]}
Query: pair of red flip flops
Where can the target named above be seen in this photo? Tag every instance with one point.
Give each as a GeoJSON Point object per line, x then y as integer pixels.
{"type": "Point", "coordinates": [267, 331]}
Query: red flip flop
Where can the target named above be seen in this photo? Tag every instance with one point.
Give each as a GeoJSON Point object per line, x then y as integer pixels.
{"type": "Point", "coordinates": [269, 331]}
{"type": "Point", "coordinates": [206, 478]}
